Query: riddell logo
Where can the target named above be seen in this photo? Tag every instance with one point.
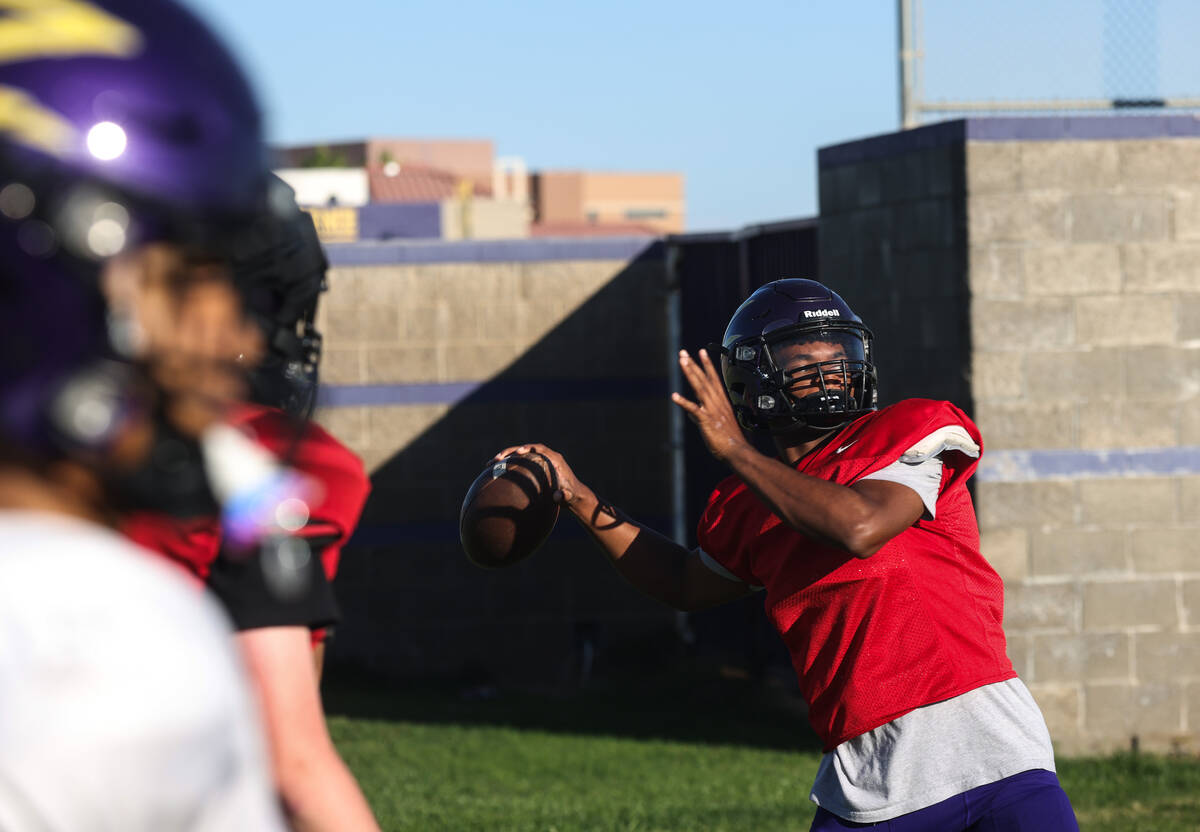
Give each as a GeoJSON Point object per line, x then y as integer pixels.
{"type": "Point", "coordinates": [822, 313]}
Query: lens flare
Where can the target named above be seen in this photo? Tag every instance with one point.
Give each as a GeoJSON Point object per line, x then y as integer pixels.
{"type": "Point", "coordinates": [106, 237]}
{"type": "Point", "coordinates": [16, 201]}
{"type": "Point", "coordinates": [106, 140]}
{"type": "Point", "coordinates": [291, 514]}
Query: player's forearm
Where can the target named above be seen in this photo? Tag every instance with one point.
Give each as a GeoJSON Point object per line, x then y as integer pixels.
{"type": "Point", "coordinates": [321, 795]}
{"type": "Point", "coordinates": [823, 510]}
{"type": "Point", "coordinates": [316, 787]}
{"type": "Point", "coordinates": [648, 560]}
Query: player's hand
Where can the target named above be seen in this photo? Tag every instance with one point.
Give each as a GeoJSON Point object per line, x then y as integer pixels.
{"type": "Point", "coordinates": [711, 411]}
{"type": "Point", "coordinates": [570, 489]}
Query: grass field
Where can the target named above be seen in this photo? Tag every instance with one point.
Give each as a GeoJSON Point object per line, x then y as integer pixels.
{"type": "Point", "coordinates": [718, 755]}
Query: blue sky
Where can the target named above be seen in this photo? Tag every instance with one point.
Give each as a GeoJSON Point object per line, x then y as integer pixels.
{"type": "Point", "coordinates": [737, 96]}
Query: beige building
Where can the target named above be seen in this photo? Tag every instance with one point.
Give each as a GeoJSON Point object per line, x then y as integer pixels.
{"type": "Point", "coordinates": [578, 199]}
{"type": "Point", "coordinates": [484, 196]}
{"type": "Point", "coordinates": [465, 158]}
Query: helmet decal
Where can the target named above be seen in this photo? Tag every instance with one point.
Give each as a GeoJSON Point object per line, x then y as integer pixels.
{"type": "Point", "coordinates": [26, 121]}
{"type": "Point", "coordinates": [62, 29]}
{"type": "Point", "coordinates": [31, 29]}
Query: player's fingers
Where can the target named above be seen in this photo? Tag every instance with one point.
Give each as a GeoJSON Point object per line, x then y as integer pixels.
{"type": "Point", "coordinates": [710, 369]}
{"type": "Point", "coordinates": [562, 471]}
{"type": "Point", "coordinates": [528, 447]}
{"type": "Point", "coordinates": [693, 373]}
{"type": "Point", "coordinates": [713, 378]}
{"type": "Point", "coordinates": [689, 406]}
{"type": "Point", "coordinates": [702, 377]}
{"type": "Point", "coordinates": [556, 459]}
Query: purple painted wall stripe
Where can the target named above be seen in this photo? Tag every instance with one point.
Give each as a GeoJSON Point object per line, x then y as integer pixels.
{"type": "Point", "coordinates": [1014, 129]}
{"type": "Point", "coordinates": [1035, 465]}
{"type": "Point", "coordinates": [533, 250]}
{"type": "Point", "coordinates": [494, 391]}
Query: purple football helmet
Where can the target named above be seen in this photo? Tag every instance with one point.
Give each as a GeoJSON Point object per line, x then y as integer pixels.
{"type": "Point", "coordinates": [121, 122]}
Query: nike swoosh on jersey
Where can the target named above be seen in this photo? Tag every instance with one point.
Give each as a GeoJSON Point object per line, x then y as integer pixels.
{"type": "Point", "coordinates": [847, 445]}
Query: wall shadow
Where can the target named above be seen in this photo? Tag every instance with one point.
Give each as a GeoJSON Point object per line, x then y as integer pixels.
{"type": "Point", "coordinates": [593, 387]}
{"type": "Point", "coordinates": [560, 641]}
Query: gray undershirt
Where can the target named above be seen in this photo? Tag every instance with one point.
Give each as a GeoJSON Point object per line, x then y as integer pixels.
{"type": "Point", "coordinates": [934, 753]}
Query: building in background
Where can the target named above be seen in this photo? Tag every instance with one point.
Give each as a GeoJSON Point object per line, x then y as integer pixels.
{"type": "Point", "coordinates": [467, 158]}
{"type": "Point", "coordinates": [452, 189]}
{"type": "Point", "coordinates": [382, 189]}
{"type": "Point", "coordinates": [328, 186]}
{"type": "Point", "coordinates": [576, 201]}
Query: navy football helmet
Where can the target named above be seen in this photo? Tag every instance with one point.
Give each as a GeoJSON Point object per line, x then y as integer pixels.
{"type": "Point", "coordinates": [796, 357]}
{"type": "Point", "coordinates": [122, 122]}
{"type": "Point", "coordinates": [279, 267]}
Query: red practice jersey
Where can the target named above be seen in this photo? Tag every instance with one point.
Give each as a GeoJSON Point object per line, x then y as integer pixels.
{"type": "Point", "coordinates": [195, 543]}
{"type": "Point", "coordinates": [344, 483]}
{"type": "Point", "coordinates": [872, 639]}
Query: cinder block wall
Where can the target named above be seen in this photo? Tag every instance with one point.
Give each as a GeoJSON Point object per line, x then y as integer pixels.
{"type": "Point", "coordinates": [1082, 309]}
{"type": "Point", "coordinates": [437, 356]}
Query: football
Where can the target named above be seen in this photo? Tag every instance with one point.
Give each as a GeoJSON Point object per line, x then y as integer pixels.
{"type": "Point", "coordinates": [509, 510]}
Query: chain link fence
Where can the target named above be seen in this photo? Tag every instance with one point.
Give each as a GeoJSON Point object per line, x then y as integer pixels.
{"type": "Point", "coordinates": [1059, 57]}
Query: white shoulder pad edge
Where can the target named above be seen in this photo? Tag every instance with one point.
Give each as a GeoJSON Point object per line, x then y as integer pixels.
{"type": "Point", "coordinates": [949, 438]}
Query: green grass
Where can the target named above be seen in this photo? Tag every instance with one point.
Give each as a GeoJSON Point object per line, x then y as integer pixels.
{"type": "Point", "coordinates": [690, 755]}
{"type": "Point", "coordinates": [1134, 792]}
{"type": "Point", "coordinates": [448, 777]}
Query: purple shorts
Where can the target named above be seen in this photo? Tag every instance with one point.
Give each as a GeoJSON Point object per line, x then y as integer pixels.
{"type": "Point", "coordinates": [1032, 801]}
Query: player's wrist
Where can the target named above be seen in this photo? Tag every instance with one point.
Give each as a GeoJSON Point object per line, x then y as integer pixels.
{"type": "Point", "coordinates": [581, 502]}
{"type": "Point", "coordinates": [737, 454]}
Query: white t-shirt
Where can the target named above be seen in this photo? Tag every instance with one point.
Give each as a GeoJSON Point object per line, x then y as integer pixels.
{"type": "Point", "coordinates": [122, 703]}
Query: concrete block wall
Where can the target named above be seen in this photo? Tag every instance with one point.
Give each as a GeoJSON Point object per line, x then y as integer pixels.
{"type": "Point", "coordinates": [1079, 293]}
{"type": "Point", "coordinates": [1084, 267]}
{"type": "Point", "coordinates": [437, 356]}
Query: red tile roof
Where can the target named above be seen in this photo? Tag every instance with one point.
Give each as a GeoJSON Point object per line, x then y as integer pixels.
{"type": "Point", "coordinates": [416, 183]}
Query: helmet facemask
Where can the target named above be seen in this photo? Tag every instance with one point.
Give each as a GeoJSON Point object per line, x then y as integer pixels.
{"type": "Point", "coordinates": [287, 376]}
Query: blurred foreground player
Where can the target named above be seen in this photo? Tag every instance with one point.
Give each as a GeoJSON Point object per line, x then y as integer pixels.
{"type": "Point", "coordinates": [864, 538]}
{"type": "Point", "coordinates": [276, 589]}
{"type": "Point", "coordinates": [128, 142]}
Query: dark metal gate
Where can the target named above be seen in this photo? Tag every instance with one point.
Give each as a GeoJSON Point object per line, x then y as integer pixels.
{"type": "Point", "coordinates": [711, 274]}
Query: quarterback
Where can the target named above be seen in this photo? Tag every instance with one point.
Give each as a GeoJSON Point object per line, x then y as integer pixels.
{"type": "Point", "coordinates": [862, 537]}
